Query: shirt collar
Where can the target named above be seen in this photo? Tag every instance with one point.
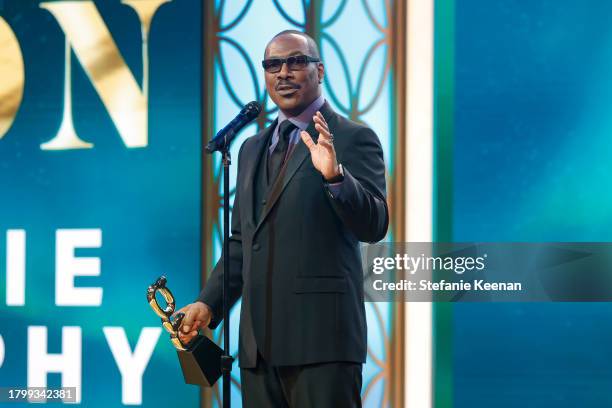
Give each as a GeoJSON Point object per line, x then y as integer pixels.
{"type": "Point", "coordinates": [303, 119]}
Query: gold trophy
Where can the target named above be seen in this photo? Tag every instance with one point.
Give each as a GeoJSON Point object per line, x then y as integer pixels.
{"type": "Point", "coordinates": [201, 358]}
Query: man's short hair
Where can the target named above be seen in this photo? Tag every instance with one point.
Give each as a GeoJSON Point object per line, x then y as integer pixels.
{"type": "Point", "coordinates": [313, 48]}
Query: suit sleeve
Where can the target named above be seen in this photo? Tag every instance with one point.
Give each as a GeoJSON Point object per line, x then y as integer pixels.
{"type": "Point", "coordinates": [360, 201]}
{"type": "Point", "coordinates": [212, 294]}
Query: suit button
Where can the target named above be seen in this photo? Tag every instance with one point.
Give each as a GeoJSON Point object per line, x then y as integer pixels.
{"type": "Point", "coordinates": [256, 247]}
{"type": "Point", "coordinates": [263, 202]}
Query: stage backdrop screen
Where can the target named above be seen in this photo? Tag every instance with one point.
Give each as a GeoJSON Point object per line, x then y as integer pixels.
{"type": "Point", "coordinates": [100, 194]}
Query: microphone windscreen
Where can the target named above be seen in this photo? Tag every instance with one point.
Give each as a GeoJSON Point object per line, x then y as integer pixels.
{"type": "Point", "coordinates": [252, 110]}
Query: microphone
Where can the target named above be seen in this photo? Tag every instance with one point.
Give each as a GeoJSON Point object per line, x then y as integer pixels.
{"type": "Point", "coordinates": [226, 135]}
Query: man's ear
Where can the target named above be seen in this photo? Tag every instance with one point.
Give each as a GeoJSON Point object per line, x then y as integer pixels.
{"type": "Point", "coordinates": [321, 72]}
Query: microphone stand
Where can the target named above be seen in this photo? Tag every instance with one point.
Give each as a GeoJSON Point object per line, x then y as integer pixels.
{"type": "Point", "coordinates": [247, 114]}
{"type": "Point", "coordinates": [226, 359]}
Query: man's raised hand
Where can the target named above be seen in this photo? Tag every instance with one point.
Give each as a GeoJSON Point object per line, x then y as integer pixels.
{"type": "Point", "coordinates": [322, 152]}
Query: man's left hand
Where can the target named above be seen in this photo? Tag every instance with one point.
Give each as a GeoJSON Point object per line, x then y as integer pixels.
{"type": "Point", "coordinates": [322, 152]}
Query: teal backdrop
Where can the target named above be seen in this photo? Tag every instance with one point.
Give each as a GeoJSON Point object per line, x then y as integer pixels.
{"type": "Point", "coordinates": [531, 162]}
{"type": "Point", "coordinates": [145, 201]}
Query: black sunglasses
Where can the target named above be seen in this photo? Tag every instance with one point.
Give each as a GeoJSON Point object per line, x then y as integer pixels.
{"type": "Point", "coordinates": [294, 63]}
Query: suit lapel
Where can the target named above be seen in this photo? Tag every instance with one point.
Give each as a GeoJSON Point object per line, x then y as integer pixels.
{"type": "Point", "coordinates": [295, 160]}
{"type": "Point", "coordinates": [258, 149]}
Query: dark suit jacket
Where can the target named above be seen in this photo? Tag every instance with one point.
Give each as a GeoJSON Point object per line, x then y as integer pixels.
{"type": "Point", "coordinates": [298, 267]}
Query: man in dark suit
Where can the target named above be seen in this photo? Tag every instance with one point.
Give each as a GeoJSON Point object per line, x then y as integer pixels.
{"type": "Point", "coordinates": [310, 187]}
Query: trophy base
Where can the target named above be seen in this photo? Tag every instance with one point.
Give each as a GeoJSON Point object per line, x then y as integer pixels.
{"type": "Point", "coordinates": [201, 363]}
